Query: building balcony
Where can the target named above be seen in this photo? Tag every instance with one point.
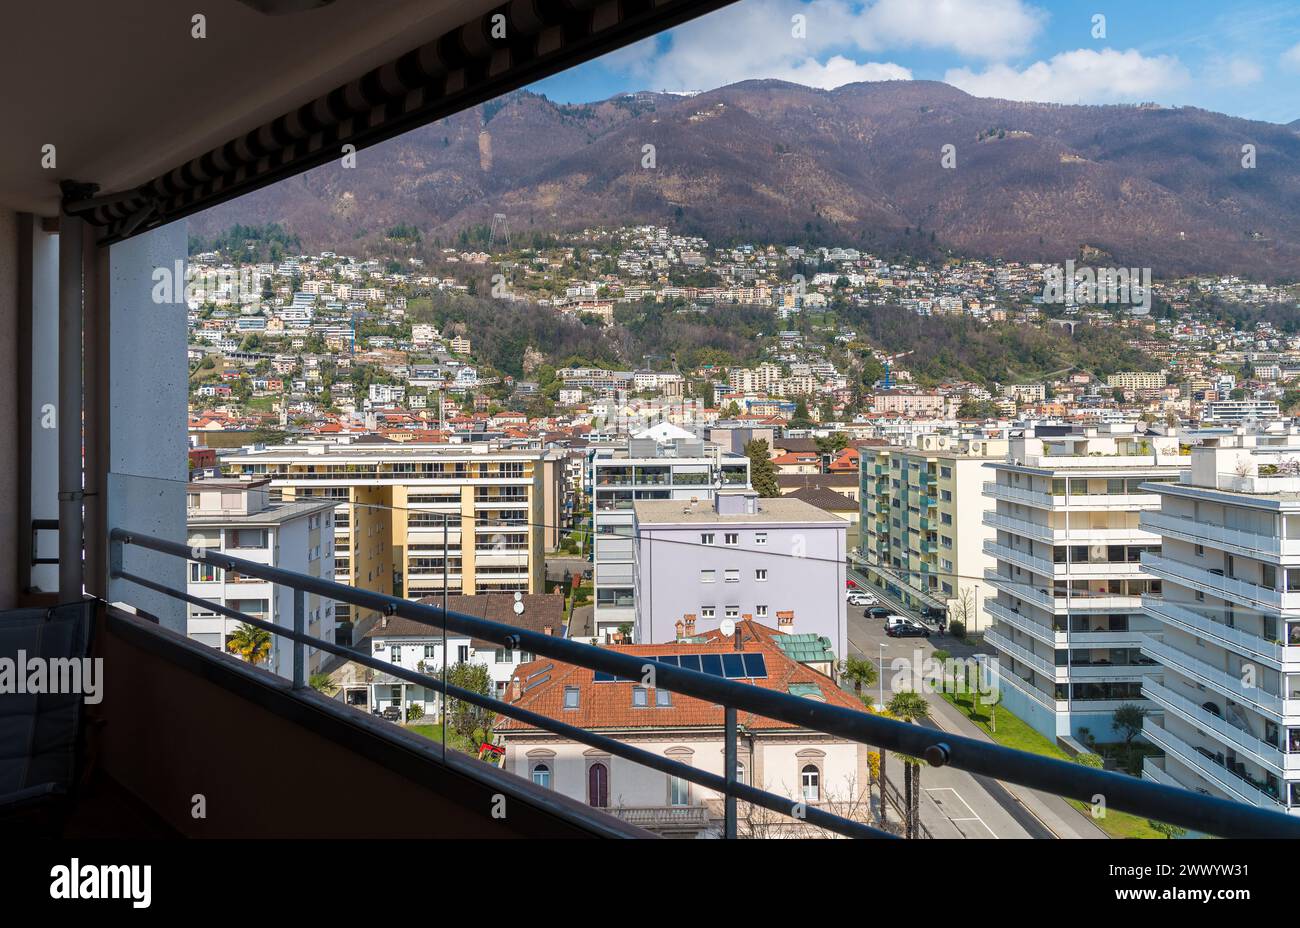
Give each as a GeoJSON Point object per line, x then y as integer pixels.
{"type": "Point", "coordinates": [1076, 535]}
{"type": "Point", "coordinates": [1025, 623]}
{"type": "Point", "coordinates": [1273, 653]}
{"type": "Point", "coordinates": [1057, 602]}
{"type": "Point", "coordinates": [1249, 544]}
{"type": "Point", "coordinates": [1044, 666]}
{"type": "Point", "coordinates": [1019, 495]}
{"type": "Point", "coordinates": [1198, 671]}
{"type": "Point", "coordinates": [1216, 584]}
{"type": "Point", "coordinates": [1236, 786]}
{"type": "Point", "coordinates": [1195, 714]}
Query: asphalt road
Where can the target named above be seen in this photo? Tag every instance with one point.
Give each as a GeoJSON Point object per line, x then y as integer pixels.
{"type": "Point", "coordinates": [976, 806]}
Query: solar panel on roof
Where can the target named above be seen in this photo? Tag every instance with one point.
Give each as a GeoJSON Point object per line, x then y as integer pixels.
{"type": "Point", "coordinates": [711, 663]}
{"type": "Point", "coordinates": [732, 666]}
{"type": "Point", "coordinates": [755, 665]}
{"type": "Point", "coordinates": [690, 661]}
{"type": "Point", "coordinates": [668, 659]}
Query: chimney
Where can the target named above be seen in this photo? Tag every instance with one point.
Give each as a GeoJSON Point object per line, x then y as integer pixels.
{"type": "Point", "coordinates": [547, 629]}
{"type": "Point", "coordinates": [785, 622]}
{"type": "Point", "coordinates": [690, 624]}
{"type": "Point", "coordinates": [681, 630]}
{"type": "Point", "coordinates": [383, 623]}
{"type": "Point", "coordinates": [515, 689]}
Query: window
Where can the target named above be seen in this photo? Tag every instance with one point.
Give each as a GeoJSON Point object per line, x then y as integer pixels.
{"type": "Point", "coordinates": [760, 574]}
{"type": "Point", "coordinates": [733, 612]}
{"type": "Point", "coordinates": [811, 779]}
{"type": "Point", "coordinates": [706, 538]}
{"type": "Point", "coordinates": [760, 538]}
{"type": "Point", "coordinates": [639, 697]}
{"type": "Point", "coordinates": [760, 611]}
{"type": "Point", "coordinates": [430, 650]}
{"type": "Point", "coordinates": [663, 699]}
{"type": "Point", "coordinates": [571, 697]}
{"type": "Point", "coordinates": [462, 653]}
{"type": "Point", "coordinates": [708, 576]}
{"type": "Point", "coordinates": [679, 792]}
{"type": "Point", "coordinates": [731, 538]}
{"type": "Point", "coordinates": [542, 775]}
{"type": "Point", "coordinates": [945, 472]}
{"type": "Point", "coordinates": [395, 653]}
{"type": "Point", "coordinates": [707, 612]}
{"type": "Point", "coordinates": [598, 786]}
{"type": "Point", "coordinates": [732, 575]}
{"type": "Point", "coordinates": [204, 573]}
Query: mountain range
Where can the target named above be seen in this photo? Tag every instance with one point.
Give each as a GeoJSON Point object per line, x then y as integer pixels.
{"type": "Point", "coordinates": [862, 165]}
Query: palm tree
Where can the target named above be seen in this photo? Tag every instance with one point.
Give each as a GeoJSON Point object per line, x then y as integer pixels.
{"type": "Point", "coordinates": [860, 672]}
{"type": "Point", "coordinates": [251, 643]}
{"type": "Point", "coordinates": [910, 707]}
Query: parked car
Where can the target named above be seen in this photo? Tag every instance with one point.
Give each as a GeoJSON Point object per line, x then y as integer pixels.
{"type": "Point", "coordinates": [860, 599]}
{"type": "Point", "coordinates": [877, 612]}
{"type": "Point", "coordinates": [907, 629]}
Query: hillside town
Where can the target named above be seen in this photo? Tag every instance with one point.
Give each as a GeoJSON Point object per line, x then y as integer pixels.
{"type": "Point", "coordinates": [1036, 528]}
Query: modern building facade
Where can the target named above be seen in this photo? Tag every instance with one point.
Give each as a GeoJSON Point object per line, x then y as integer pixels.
{"type": "Point", "coordinates": [645, 468]}
{"type": "Point", "coordinates": [778, 562]}
{"type": "Point", "coordinates": [1227, 635]}
{"type": "Point", "coordinates": [481, 515]}
{"type": "Point", "coordinates": [1066, 619]}
{"type": "Point", "coordinates": [922, 523]}
{"type": "Point", "coordinates": [239, 518]}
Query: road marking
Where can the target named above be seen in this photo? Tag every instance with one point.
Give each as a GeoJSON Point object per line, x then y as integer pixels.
{"type": "Point", "coordinates": [973, 817]}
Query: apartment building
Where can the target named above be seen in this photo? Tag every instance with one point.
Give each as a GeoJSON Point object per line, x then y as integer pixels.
{"type": "Point", "coordinates": [645, 468]}
{"type": "Point", "coordinates": [479, 515]}
{"type": "Point", "coordinates": [922, 523]}
{"type": "Point", "coordinates": [1227, 635]}
{"type": "Point", "coordinates": [1137, 380]}
{"type": "Point", "coordinates": [778, 562]}
{"type": "Point", "coordinates": [239, 518]}
{"type": "Point", "coordinates": [1066, 619]}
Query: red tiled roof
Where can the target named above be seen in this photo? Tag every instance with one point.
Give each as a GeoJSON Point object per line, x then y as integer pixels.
{"type": "Point", "coordinates": [603, 706]}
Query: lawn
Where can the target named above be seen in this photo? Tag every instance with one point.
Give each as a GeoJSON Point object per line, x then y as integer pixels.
{"type": "Point", "coordinates": [455, 741]}
{"type": "Point", "coordinates": [1014, 732]}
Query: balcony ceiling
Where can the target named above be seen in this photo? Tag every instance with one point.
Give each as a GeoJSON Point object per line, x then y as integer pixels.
{"type": "Point", "coordinates": [125, 93]}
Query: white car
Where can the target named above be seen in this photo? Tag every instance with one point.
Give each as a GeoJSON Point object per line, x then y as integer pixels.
{"type": "Point", "coordinates": [856, 598]}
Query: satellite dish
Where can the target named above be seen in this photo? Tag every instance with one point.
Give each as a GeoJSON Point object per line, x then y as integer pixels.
{"type": "Point", "coordinates": [728, 627]}
{"type": "Point", "coordinates": [519, 597]}
{"type": "Point", "coordinates": [519, 608]}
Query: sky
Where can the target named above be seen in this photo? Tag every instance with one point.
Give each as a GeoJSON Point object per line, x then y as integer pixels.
{"type": "Point", "coordinates": [1240, 57]}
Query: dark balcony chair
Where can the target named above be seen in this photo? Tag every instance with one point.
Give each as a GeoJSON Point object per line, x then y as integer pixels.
{"type": "Point", "coordinates": [40, 734]}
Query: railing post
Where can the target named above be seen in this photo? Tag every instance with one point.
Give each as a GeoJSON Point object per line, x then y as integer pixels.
{"type": "Point", "coordinates": [299, 616]}
{"type": "Point", "coordinates": [729, 762]}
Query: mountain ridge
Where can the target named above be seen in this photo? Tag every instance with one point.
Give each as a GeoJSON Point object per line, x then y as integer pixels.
{"type": "Point", "coordinates": [859, 165]}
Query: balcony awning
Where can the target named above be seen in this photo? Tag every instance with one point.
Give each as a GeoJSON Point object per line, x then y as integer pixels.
{"type": "Point", "coordinates": [479, 60]}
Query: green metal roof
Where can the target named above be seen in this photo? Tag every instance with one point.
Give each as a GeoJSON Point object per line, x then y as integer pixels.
{"type": "Point", "coordinates": [805, 690]}
{"type": "Point", "coordinates": [805, 648]}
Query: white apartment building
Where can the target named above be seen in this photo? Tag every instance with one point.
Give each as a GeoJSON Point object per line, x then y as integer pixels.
{"type": "Point", "coordinates": [1067, 621]}
{"type": "Point", "coordinates": [239, 518]}
{"type": "Point", "coordinates": [1227, 639]}
{"type": "Point", "coordinates": [678, 468]}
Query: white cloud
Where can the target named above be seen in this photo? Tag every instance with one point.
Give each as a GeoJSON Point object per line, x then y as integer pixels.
{"type": "Point", "coordinates": [840, 42]}
{"type": "Point", "coordinates": [1235, 72]}
{"type": "Point", "coordinates": [990, 29]}
{"type": "Point", "coordinates": [1291, 58]}
{"type": "Point", "coordinates": [1080, 76]}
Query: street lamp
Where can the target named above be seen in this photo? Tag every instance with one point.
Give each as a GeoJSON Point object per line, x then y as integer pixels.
{"type": "Point", "coordinates": [880, 673]}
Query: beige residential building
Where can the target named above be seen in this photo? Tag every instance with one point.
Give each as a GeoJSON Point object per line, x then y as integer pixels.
{"type": "Point", "coordinates": [922, 523]}
{"type": "Point", "coordinates": [1137, 380]}
{"type": "Point", "coordinates": [481, 514]}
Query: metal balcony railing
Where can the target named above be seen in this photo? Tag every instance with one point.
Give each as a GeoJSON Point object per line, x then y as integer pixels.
{"type": "Point", "coordinates": [1154, 800]}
